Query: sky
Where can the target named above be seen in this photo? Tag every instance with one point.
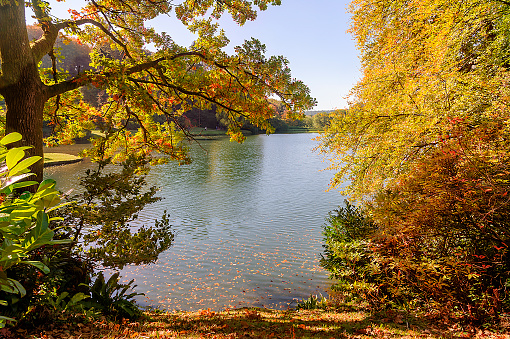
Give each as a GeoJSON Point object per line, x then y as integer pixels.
{"type": "Point", "coordinates": [312, 35]}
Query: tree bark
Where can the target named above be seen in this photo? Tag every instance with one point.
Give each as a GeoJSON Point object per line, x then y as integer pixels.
{"type": "Point", "coordinates": [20, 84]}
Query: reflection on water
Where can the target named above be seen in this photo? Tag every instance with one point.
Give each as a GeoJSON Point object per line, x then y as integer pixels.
{"type": "Point", "coordinates": [248, 220]}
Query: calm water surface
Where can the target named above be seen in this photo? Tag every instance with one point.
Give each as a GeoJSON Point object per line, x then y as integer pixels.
{"type": "Point", "coordinates": [248, 220]}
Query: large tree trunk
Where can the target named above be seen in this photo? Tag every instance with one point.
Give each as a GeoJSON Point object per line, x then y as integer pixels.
{"type": "Point", "coordinates": [20, 84]}
{"type": "Point", "coordinates": [25, 103]}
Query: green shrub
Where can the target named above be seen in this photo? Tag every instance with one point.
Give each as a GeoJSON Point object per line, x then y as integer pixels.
{"type": "Point", "coordinates": [113, 298]}
{"type": "Point", "coordinates": [347, 255]}
{"type": "Point", "coordinates": [24, 220]}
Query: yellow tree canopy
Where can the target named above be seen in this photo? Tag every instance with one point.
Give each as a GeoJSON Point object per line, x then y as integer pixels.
{"type": "Point", "coordinates": [432, 70]}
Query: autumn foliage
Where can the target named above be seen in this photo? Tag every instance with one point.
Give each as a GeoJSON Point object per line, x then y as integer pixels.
{"type": "Point", "coordinates": [148, 80]}
{"type": "Point", "coordinates": [425, 145]}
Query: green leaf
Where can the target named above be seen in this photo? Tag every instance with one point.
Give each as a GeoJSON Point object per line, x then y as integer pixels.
{"type": "Point", "coordinates": [60, 242]}
{"type": "Point", "coordinates": [11, 183]}
{"type": "Point", "coordinates": [10, 138]}
{"type": "Point", "coordinates": [19, 287]}
{"type": "Point", "coordinates": [78, 297]}
{"type": "Point", "coordinates": [23, 165]}
{"type": "Point", "coordinates": [46, 198]}
{"type": "Point", "coordinates": [61, 297]}
{"type": "Point", "coordinates": [3, 318]}
{"type": "Point", "coordinates": [22, 212]}
{"type": "Point", "coordinates": [12, 286]}
{"type": "Point", "coordinates": [14, 156]}
{"type": "Point", "coordinates": [11, 255]}
{"type": "Point", "coordinates": [45, 269]}
{"type": "Point", "coordinates": [48, 183]}
{"type": "Point", "coordinates": [39, 235]}
{"type": "Point", "coordinates": [57, 207]}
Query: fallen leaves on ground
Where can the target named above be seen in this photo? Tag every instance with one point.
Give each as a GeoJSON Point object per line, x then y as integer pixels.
{"type": "Point", "coordinates": [251, 323]}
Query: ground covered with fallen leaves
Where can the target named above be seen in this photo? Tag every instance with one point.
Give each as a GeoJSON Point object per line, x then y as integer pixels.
{"type": "Point", "coordinates": [253, 323]}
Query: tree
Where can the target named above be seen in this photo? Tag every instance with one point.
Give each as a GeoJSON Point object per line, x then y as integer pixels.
{"type": "Point", "coordinates": [425, 146]}
{"type": "Point", "coordinates": [426, 65]}
{"type": "Point", "coordinates": [321, 120]}
{"type": "Point", "coordinates": [98, 219]}
{"type": "Point", "coordinates": [139, 83]}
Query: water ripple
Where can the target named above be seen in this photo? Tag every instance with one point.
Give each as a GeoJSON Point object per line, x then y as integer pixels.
{"type": "Point", "coordinates": [248, 221]}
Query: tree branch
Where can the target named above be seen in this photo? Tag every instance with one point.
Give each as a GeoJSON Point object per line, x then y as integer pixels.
{"type": "Point", "coordinates": [45, 44]}
{"type": "Point", "coordinates": [155, 63]}
{"type": "Point", "coordinates": [185, 91]}
{"type": "Point", "coordinates": [65, 86]}
{"type": "Point", "coordinates": [81, 80]}
{"type": "Point", "coordinates": [70, 24]}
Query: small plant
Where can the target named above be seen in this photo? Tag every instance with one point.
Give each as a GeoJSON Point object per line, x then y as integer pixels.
{"type": "Point", "coordinates": [113, 298]}
{"type": "Point", "coordinates": [63, 304]}
{"type": "Point", "coordinates": [314, 302]}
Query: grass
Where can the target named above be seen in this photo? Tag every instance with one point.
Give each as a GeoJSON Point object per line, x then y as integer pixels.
{"type": "Point", "coordinates": [257, 323]}
{"type": "Point", "coordinates": [53, 159]}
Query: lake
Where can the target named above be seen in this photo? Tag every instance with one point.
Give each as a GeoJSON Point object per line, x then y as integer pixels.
{"type": "Point", "coordinates": [248, 221]}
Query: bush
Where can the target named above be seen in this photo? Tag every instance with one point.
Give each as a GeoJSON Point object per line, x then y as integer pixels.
{"type": "Point", "coordinates": [446, 228]}
{"type": "Point", "coordinates": [436, 241]}
{"type": "Point", "coordinates": [347, 254]}
{"type": "Point", "coordinates": [113, 298]}
{"type": "Point", "coordinates": [24, 223]}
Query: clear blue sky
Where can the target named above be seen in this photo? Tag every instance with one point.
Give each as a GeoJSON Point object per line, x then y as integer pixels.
{"type": "Point", "coordinates": [311, 34]}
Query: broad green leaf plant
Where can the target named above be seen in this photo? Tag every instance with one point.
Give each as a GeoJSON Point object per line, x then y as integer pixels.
{"type": "Point", "coordinates": [24, 220]}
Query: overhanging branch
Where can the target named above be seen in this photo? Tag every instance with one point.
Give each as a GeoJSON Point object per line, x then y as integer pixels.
{"type": "Point", "coordinates": [65, 86]}
{"type": "Point", "coordinates": [188, 92]}
{"type": "Point", "coordinates": [70, 24]}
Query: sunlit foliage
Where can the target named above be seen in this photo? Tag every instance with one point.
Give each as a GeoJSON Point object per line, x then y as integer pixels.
{"type": "Point", "coordinates": [424, 146]}
{"type": "Point", "coordinates": [140, 83]}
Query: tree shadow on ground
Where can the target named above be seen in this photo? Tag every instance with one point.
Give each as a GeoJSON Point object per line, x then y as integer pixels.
{"type": "Point", "coordinates": [250, 323]}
